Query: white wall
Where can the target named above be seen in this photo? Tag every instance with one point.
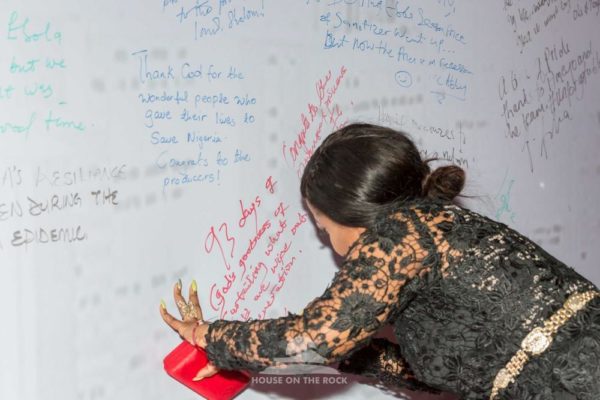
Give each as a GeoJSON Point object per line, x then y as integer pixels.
{"type": "Point", "coordinates": [88, 90]}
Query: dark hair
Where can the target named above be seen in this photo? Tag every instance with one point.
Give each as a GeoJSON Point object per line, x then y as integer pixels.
{"type": "Point", "coordinates": [362, 169]}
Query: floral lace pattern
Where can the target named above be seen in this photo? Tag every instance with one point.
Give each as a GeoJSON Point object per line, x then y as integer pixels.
{"type": "Point", "coordinates": [381, 359]}
{"type": "Point", "coordinates": [461, 292]}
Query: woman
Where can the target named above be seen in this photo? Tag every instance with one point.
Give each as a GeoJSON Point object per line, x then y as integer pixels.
{"type": "Point", "coordinates": [478, 309]}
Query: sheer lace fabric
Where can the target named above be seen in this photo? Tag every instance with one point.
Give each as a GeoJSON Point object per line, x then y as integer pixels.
{"type": "Point", "coordinates": [461, 292]}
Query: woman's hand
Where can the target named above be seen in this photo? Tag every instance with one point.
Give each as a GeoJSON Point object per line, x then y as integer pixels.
{"type": "Point", "coordinates": [191, 327]}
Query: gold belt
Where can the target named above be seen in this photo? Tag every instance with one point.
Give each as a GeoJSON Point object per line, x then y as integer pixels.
{"type": "Point", "coordinates": [539, 339]}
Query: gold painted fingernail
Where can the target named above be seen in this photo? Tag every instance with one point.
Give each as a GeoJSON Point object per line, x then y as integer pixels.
{"type": "Point", "coordinates": [194, 286]}
{"type": "Point", "coordinates": [163, 304]}
{"type": "Point", "coordinates": [179, 284]}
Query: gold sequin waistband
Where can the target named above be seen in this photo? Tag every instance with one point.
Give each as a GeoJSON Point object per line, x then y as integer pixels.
{"type": "Point", "coordinates": [539, 339]}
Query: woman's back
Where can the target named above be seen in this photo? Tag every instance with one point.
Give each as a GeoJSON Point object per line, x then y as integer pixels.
{"type": "Point", "coordinates": [478, 290]}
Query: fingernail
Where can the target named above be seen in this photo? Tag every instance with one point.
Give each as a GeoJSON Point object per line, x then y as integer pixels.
{"type": "Point", "coordinates": [196, 379]}
{"type": "Point", "coordinates": [163, 304]}
{"type": "Point", "coordinates": [194, 286]}
{"type": "Point", "coordinates": [179, 284]}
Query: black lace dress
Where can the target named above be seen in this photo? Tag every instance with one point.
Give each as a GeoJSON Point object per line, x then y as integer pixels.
{"type": "Point", "coordinates": [461, 292]}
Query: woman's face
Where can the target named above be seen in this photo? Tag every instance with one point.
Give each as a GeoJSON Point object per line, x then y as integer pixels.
{"type": "Point", "coordinates": [340, 236]}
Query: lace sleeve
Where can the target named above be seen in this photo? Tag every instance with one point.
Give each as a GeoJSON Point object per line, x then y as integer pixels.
{"type": "Point", "coordinates": [357, 303]}
{"type": "Point", "coordinates": [382, 360]}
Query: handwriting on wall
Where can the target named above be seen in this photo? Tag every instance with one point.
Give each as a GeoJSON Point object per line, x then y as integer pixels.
{"type": "Point", "coordinates": [538, 102]}
{"type": "Point", "coordinates": [36, 200]}
{"type": "Point", "coordinates": [423, 42]}
{"type": "Point", "coordinates": [192, 128]}
{"type": "Point", "coordinates": [256, 269]}
{"type": "Point", "coordinates": [503, 197]}
{"type": "Point", "coordinates": [321, 117]}
{"type": "Point", "coordinates": [35, 72]}
{"type": "Point", "coordinates": [451, 142]}
{"type": "Point", "coordinates": [530, 18]}
{"type": "Point", "coordinates": [209, 18]}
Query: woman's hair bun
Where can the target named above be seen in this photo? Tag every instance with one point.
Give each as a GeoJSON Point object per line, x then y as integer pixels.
{"type": "Point", "coordinates": [444, 182]}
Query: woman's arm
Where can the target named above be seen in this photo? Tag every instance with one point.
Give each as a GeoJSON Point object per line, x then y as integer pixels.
{"type": "Point", "coordinates": [357, 303]}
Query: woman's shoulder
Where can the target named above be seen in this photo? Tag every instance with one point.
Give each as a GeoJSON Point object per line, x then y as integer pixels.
{"type": "Point", "coordinates": [418, 218]}
{"type": "Point", "coordinates": [425, 209]}
{"type": "Point", "coordinates": [403, 219]}
{"type": "Point", "coordinates": [428, 209]}
{"type": "Point", "coordinates": [433, 221]}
